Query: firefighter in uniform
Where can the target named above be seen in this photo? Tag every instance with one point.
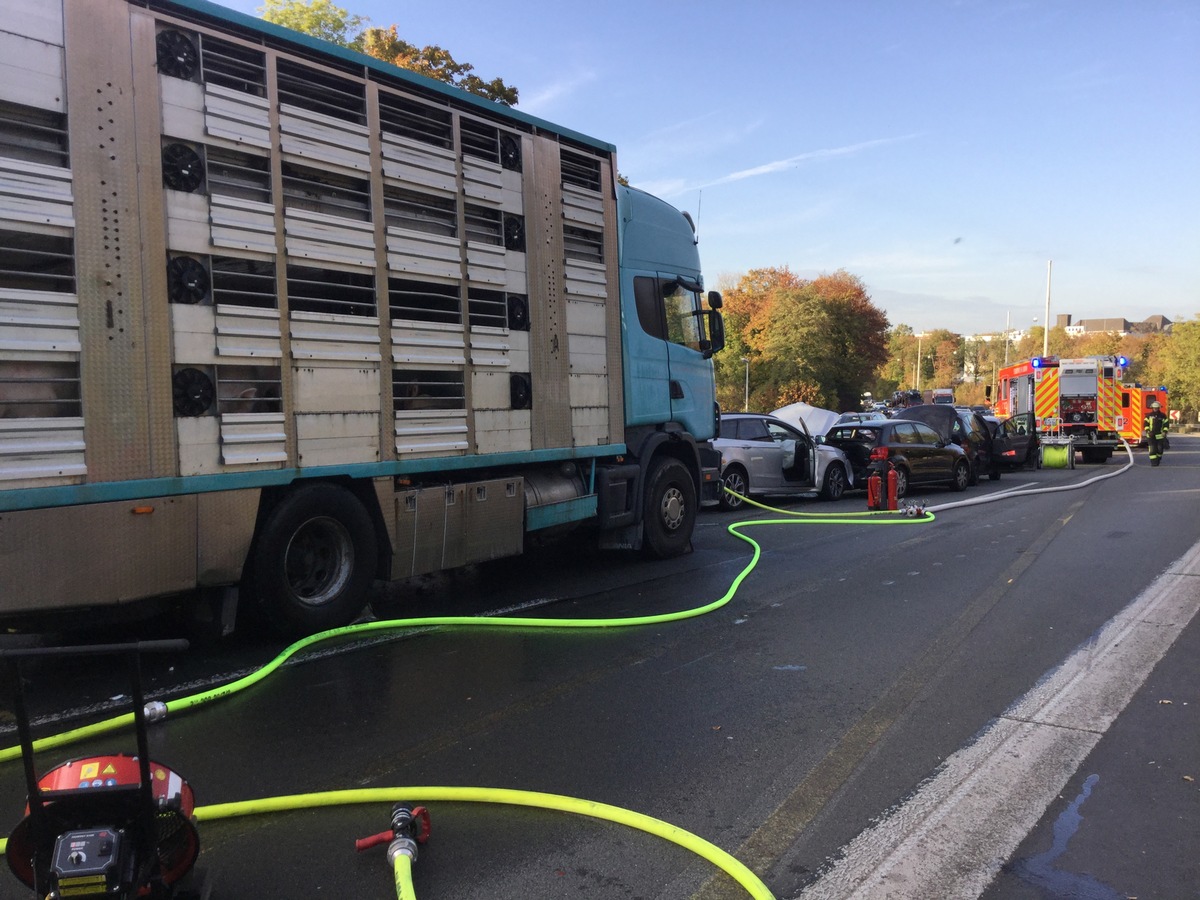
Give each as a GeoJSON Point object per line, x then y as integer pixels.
{"type": "Point", "coordinates": [1155, 426]}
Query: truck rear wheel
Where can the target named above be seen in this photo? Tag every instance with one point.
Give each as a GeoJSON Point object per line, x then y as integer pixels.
{"type": "Point", "coordinates": [313, 563]}
{"type": "Point", "coordinates": [669, 512]}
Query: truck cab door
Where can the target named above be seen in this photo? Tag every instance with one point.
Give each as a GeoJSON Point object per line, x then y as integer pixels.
{"type": "Point", "coordinates": [688, 353]}
{"type": "Point", "coordinates": [668, 374]}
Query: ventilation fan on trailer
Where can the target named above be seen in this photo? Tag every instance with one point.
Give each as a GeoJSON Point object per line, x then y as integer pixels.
{"type": "Point", "coordinates": [518, 313]}
{"type": "Point", "coordinates": [510, 152]}
{"type": "Point", "coordinates": [187, 280]}
{"type": "Point", "coordinates": [177, 54]}
{"type": "Point", "coordinates": [183, 170]}
{"type": "Point", "coordinates": [192, 392]}
{"type": "Point", "coordinates": [520, 390]}
{"type": "Point", "coordinates": [514, 233]}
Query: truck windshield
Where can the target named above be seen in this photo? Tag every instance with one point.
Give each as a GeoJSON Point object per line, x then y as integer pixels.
{"type": "Point", "coordinates": [1077, 383]}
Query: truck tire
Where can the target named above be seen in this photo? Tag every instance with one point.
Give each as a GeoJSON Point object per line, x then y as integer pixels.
{"type": "Point", "coordinates": [735, 479]}
{"type": "Point", "coordinates": [669, 510]}
{"type": "Point", "coordinates": [314, 561]}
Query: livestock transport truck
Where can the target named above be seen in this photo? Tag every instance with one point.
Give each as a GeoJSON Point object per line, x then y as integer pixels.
{"type": "Point", "coordinates": [278, 320]}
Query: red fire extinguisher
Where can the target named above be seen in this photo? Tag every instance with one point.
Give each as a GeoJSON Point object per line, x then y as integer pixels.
{"type": "Point", "coordinates": [874, 490]}
{"type": "Point", "coordinates": [892, 501]}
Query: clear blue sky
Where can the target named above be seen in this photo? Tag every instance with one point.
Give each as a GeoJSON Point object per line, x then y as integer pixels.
{"type": "Point", "coordinates": [941, 150]}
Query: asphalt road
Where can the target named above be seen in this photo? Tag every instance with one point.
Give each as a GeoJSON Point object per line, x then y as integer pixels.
{"type": "Point", "coordinates": [850, 665]}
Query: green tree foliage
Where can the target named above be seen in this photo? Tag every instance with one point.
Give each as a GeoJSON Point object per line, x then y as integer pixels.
{"type": "Point", "coordinates": [318, 18]}
{"type": "Point", "coordinates": [818, 340]}
{"type": "Point", "coordinates": [323, 19]}
{"type": "Point", "coordinates": [895, 371]}
{"type": "Point", "coordinates": [1175, 362]}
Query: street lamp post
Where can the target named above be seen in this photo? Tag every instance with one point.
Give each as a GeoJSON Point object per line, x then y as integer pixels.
{"type": "Point", "coordinates": [917, 374]}
{"type": "Point", "coordinates": [746, 402]}
{"type": "Point", "coordinates": [1046, 330]}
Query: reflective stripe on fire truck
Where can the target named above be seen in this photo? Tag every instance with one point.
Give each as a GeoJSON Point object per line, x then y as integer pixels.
{"type": "Point", "coordinates": [1045, 395]}
{"type": "Point", "coordinates": [1106, 403]}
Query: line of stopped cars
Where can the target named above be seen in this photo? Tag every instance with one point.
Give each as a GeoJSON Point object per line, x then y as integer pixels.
{"type": "Point", "coordinates": [779, 455]}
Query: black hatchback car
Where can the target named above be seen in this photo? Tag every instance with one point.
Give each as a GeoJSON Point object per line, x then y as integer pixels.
{"type": "Point", "coordinates": [919, 454]}
{"type": "Point", "coordinates": [967, 428]}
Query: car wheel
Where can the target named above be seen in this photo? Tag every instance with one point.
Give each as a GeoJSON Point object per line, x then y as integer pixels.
{"type": "Point", "coordinates": [735, 479]}
{"type": "Point", "coordinates": [901, 483]}
{"type": "Point", "coordinates": [962, 476]}
{"type": "Point", "coordinates": [669, 514]}
{"type": "Point", "coordinates": [835, 482]}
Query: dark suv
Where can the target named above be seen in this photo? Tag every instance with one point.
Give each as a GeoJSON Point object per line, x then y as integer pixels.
{"type": "Point", "coordinates": [966, 428]}
{"type": "Point", "coordinates": [919, 454]}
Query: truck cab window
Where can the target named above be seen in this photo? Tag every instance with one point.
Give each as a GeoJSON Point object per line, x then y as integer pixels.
{"type": "Point", "coordinates": [650, 316]}
{"type": "Point", "coordinates": [683, 315]}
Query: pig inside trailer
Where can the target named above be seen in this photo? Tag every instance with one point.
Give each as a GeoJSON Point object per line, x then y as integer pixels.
{"type": "Point", "coordinates": [282, 320]}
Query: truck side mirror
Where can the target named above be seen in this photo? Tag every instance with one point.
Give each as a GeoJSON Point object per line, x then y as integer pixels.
{"type": "Point", "coordinates": [987, 392]}
{"type": "Point", "coordinates": [716, 332]}
{"type": "Point", "coordinates": [715, 300]}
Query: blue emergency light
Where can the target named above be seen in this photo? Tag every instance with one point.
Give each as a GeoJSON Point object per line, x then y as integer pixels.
{"type": "Point", "coordinates": [1123, 362]}
{"type": "Point", "coordinates": [1036, 362]}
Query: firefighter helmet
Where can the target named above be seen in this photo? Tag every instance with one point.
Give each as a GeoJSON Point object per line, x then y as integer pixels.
{"type": "Point", "coordinates": [1156, 405]}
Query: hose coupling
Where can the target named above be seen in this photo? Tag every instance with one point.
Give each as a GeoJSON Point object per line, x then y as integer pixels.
{"type": "Point", "coordinates": [155, 711]}
{"type": "Point", "coordinates": [401, 846]}
{"type": "Point", "coordinates": [409, 823]}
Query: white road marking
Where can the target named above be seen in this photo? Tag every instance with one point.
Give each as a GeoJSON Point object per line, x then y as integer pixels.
{"type": "Point", "coordinates": [951, 837]}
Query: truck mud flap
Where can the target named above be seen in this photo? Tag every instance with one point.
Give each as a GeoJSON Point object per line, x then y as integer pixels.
{"type": "Point", "coordinates": [617, 493]}
{"type": "Point", "coordinates": [710, 475]}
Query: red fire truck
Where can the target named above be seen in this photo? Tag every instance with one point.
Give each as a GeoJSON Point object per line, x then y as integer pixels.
{"type": "Point", "coordinates": [1135, 402]}
{"type": "Point", "coordinates": [1078, 398]}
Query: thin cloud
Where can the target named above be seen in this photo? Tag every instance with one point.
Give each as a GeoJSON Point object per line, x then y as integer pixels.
{"type": "Point", "coordinates": [549, 96]}
{"type": "Point", "coordinates": [792, 162]}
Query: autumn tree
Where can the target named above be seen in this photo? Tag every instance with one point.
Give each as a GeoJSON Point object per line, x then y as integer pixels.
{"type": "Point", "coordinates": [744, 303]}
{"type": "Point", "coordinates": [433, 62]}
{"type": "Point", "coordinates": [323, 19]}
{"type": "Point", "coordinates": [941, 365]}
{"type": "Point", "coordinates": [817, 340]}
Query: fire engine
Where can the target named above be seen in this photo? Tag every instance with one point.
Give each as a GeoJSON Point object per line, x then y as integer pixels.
{"type": "Point", "coordinates": [1135, 402]}
{"type": "Point", "coordinates": [1078, 398]}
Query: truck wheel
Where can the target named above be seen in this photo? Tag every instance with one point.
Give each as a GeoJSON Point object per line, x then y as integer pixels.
{"type": "Point", "coordinates": [735, 479]}
{"type": "Point", "coordinates": [669, 513]}
{"type": "Point", "coordinates": [835, 482]}
{"type": "Point", "coordinates": [314, 561]}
